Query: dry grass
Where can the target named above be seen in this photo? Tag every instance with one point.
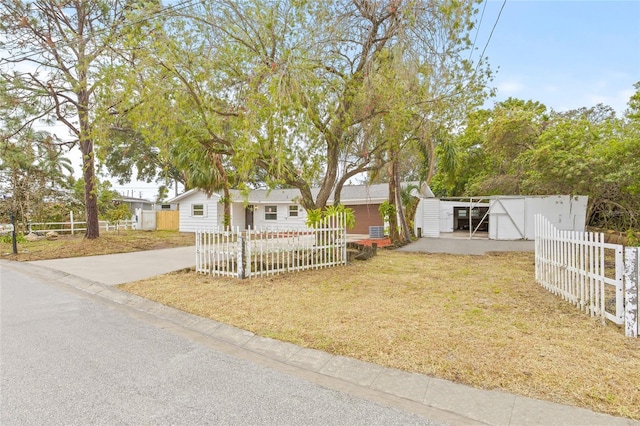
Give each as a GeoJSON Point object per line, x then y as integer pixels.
{"type": "Point", "coordinates": [478, 320]}
{"type": "Point", "coordinates": [108, 243]}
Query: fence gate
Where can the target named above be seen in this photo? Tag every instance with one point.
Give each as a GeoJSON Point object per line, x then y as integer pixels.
{"type": "Point", "coordinates": [597, 277]}
{"type": "Point", "coordinates": [168, 220]}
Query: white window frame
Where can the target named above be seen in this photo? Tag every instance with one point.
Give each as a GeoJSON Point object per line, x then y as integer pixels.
{"type": "Point", "coordinates": [194, 210]}
{"type": "Point", "coordinates": [294, 210]}
{"type": "Point", "coordinates": [268, 212]}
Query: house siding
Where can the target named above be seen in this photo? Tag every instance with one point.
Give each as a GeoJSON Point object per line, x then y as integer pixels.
{"type": "Point", "coordinates": [366, 215]}
{"type": "Point", "coordinates": [283, 219]}
{"type": "Point", "coordinates": [364, 199]}
{"type": "Point", "coordinates": [189, 223]}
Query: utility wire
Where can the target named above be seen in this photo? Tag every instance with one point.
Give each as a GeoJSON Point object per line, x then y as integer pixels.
{"type": "Point", "coordinates": [491, 34]}
{"type": "Point", "coordinates": [478, 29]}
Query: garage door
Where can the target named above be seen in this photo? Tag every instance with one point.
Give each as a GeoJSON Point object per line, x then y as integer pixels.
{"type": "Point", "coordinates": [366, 215]}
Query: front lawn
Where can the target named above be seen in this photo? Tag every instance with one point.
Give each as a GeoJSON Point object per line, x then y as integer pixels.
{"type": "Point", "coordinates": [108, 243]}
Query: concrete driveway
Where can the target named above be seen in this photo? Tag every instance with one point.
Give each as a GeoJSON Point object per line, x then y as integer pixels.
{"type": "Point", "coordinates": [114, 269]}
{"type": "Point", "coordinates": [459, 244]}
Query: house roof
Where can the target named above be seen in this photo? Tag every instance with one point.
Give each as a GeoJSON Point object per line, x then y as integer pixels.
{"type": "Point", "coordinates": [182, 196]}
{"type": "Point", "coordinates": [126, 199]}
{"type": "Point", "coordinates": [351, 194]}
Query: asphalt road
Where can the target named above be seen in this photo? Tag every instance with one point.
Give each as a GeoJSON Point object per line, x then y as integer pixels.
{"type": "Point", "coordinates": [69, 357]}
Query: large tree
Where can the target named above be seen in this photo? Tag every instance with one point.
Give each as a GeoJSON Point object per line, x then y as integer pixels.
{"type": "Point", "coordinates": [54, 51]}
{"type": "Point", "coordinates": [292, 92]}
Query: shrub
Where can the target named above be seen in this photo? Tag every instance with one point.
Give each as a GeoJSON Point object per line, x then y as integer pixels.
{"type": "Point", "coordinates": [7, 239]}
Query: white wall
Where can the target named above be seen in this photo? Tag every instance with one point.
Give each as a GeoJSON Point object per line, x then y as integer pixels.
{"type": "Point", "coordinates": [418, 218]}
{"type": "Point", "coordinates": [507, 218]}
{"type": "Point", "coordinates": [190, 223]}
{"type": "Point", "coordinates": [446, 214]}
{"type": "Point", "coordinates": [283, 219]}
{"type": "Point", "coordinates": [237, 215]}
{"type": "Point", "coordinates": [513, 218]}
{"type": "Point", "coordinates": [429, 219]}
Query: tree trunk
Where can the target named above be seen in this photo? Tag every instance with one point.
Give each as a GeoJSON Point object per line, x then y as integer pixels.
{"type": "Point", "coordinates": [406, 233]}
{"type": "Point", "coordinates": [393, 218]}
{"type": "Point", "coordinates": [330, 177]}
{"type": "Point", "coordinates": [226, 202]}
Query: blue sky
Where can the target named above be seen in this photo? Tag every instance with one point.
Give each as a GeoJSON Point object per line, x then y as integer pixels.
{"type": "Point", "coordinates": [564, 54]}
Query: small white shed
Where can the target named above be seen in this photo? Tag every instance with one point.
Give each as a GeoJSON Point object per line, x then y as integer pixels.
{"type": "Point", "coordinates": [499, 217]}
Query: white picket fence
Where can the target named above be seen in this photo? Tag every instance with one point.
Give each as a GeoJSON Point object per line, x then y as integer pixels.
{"type": "Point", "coordinates": [598, 278]}
{"type": "Point", "coordinates": [269, 251]}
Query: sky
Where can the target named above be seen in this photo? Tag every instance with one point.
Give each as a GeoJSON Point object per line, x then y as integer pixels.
{"type": "Point", "coordinates": [564, 54]}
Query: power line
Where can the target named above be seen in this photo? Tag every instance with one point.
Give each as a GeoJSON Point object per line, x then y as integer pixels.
{"type": "Point", "coordinates": [478, 29]}
{"type": "Point", "coordinates": [491, 34]}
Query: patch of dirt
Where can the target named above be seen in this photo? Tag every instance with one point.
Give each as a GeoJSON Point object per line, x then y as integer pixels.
{"type": "Point", "coordinates": [382, 242]}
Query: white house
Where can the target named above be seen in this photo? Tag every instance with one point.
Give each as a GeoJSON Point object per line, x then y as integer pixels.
{"type": "Point", "coordinates": [277, 207]}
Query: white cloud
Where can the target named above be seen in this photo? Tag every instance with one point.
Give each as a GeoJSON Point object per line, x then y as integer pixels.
{"type": "Point", "coordinates": [510, 87]}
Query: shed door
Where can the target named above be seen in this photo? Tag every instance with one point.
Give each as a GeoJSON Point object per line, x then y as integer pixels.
{"type": "Point", "coordinates": [431, 217]}
{"type": "Point", "coordinates": [507, 219]}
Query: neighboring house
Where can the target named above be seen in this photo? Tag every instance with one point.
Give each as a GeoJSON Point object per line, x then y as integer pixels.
{"type": "Point", "coordinates": [164, 207]}
{"type": "Point", "coordinates": [135, 203]}
{"type": "Point", "coordinates": [277, 207]}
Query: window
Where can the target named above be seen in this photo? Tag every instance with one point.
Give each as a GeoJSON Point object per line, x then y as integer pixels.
{"type": "Point", "coordinates": [293, 211]}
{"type": "Point", "coordinates": [197, 210]}
{"type": "Point", "coordinates": [165, 207]}
{"type": "Point", "coordinates": [271, 213]}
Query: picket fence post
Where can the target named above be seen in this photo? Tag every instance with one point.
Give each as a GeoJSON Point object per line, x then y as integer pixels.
{"type": "Point", "coordinates": [631, 292]}
{"type": "Point", "coordinates": [241, 259]}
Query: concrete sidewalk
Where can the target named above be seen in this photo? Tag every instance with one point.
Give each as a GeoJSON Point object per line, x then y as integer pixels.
{"type": "Point", "coordinates": [433, 398]}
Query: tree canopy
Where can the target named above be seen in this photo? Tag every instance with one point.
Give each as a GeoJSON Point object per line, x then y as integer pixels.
{"type": "Point", "coordinates": [299, 93]}
{"type": "Point", "coordinates": [522, 148]}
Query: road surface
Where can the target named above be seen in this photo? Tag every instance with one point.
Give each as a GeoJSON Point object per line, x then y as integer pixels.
{"type": "Point", "coordinates": [73, 358]}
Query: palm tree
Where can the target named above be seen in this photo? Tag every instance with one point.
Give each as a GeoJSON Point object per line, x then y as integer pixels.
{"type": "Point", "coordinates": [409, 204]}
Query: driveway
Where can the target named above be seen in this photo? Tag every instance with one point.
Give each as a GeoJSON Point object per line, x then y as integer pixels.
{"type": "Point", "coordinates": [457, 244]}
{"type": "Point", "coordinates": [114, 269]}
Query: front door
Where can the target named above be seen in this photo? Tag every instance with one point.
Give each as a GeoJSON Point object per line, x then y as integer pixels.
{"type": "Point", "coordinates": [248, 217]}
